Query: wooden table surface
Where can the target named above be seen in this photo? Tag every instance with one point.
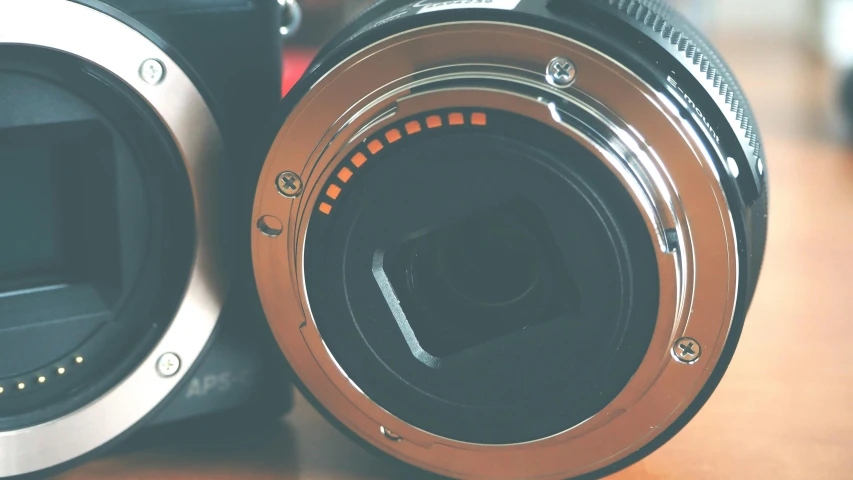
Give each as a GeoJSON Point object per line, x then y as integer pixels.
{"type": "Point", "coordinates": [784, 410]}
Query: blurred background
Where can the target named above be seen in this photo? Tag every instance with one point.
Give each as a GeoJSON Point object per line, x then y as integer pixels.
{"type": "Point", "coordinates": [783, 410]}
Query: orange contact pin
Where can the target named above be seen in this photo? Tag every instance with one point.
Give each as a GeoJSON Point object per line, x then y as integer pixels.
{"type": "Point", "coordinates": [375, 146]}
{"type": "Point", "coordinates": [333, 191]}
{"type": "Point", "coordinates": [456, 119]}
{"type": "Point", "coordinates": [413, 127]}
{"type": "Point", "coordinates": [393, 135]}
{"type": "Point", "coordinates": [325, 208]}
{"type": "Point", "coordinates": [433, 121]}
{"type": "Point", "coordinates": [478, 118]}
{"type": "Point", "coordinates": [358, 160]}
{"type": "Point", "coordinates": [345, 174]}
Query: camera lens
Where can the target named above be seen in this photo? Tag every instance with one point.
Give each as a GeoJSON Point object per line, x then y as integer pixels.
{"type": "Point", "coordinates": [512, 217]}
{"type": "Point", "coordinates": [109, 231]}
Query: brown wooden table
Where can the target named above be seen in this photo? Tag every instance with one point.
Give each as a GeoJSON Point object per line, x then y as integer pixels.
{"type": "Point", "coordinates": [784, 410]}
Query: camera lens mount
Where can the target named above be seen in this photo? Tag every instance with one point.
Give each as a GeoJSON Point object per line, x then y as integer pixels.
{"type": "Point", "coordinates": [639, 182]}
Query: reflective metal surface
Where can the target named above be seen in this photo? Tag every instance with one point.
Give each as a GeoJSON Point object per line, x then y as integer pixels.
{"type": "Point", "coordinates": [83, 32]}
{"type": "Point", "coordinates": [654, 152]}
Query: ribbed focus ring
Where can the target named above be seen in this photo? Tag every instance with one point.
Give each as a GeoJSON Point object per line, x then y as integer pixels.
{"type": "Point", "coordinates": [661, 22]}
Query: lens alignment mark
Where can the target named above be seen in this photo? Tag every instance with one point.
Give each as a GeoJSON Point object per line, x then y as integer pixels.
{"type": "Point", "coordinates": [393, 135]}
{"type": "Point", "coordinates": [333, 191]}
{"type": "Point", "coordinates": [376, 145]}
{"type": "Point", "coordinates": [390, 435]}
{"type": "Point", "coordinates": [270, 226]}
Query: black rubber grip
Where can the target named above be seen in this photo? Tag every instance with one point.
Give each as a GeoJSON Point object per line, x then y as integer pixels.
{"type": "Point", "coordinates": [658, 20]}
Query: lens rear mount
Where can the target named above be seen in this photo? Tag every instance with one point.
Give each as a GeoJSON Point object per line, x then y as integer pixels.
{"type": "Point", "coordinates": [347, 115]}
{"type": "Point", "coordinates": [571, 320]}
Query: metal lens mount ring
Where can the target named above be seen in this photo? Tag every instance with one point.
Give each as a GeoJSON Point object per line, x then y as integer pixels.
{"type": "Point", "coordinates": [86, 33]}
{"type": "Point", "coordinates": [659, 158]}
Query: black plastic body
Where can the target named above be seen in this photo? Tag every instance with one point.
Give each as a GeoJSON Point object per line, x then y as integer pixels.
{"type": "Point", "coordinates": [667, 53]}
{"type": "Point", "coordinates": [232, 48]}
{"type": "Point", "coordinates": [241, 371]}
{"type": "Point", "coordinates": [232, 51]}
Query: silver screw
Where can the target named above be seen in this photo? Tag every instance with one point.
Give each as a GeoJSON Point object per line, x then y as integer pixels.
{"type": "Point", "coordinates": [289, 184]}
{"type": "Point", "coordinates": [561, 72]}
{"type": "Point", "coordinates": [168, 364]}
{"type": "Point", "coordinates": [390, 435]}
{"type": "Point", "coordinates": [686, 350]}
{"type": "Point", "coordinates": [152, 71]}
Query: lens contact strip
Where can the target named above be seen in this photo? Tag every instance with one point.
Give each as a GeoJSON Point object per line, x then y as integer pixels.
{"type": "Point", "coordinates": [400, 131]}
{"type": "Point", "coordinates": [26, 383]}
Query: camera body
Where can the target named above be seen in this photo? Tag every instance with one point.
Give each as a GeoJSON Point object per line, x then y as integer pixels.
{"type": "Point", "coordinates": [234, 47]}
{"type": "Point", "coordinates": [126, 292]}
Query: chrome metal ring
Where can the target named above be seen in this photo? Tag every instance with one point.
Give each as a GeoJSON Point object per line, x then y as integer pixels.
{"type": "Point", "coordinates": [86, 33]}
{"type": "Point", "coordinates": [660, 159]}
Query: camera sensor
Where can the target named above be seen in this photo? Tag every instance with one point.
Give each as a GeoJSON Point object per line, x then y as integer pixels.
{"type": "Point", "coordinates": [59, 196]}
